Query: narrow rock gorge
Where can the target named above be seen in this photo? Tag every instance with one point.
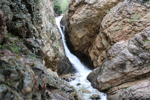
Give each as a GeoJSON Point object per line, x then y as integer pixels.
{"type": "Point", "coordinates": [111, 36]}
{"type": "Point", "coordinates": [115, 35]}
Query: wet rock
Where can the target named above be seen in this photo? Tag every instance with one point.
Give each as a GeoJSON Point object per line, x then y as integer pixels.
{"type": "Point", "coordinates": [68, 77]}
{"type": "Point", "coordinates": [95, 97]}
{"type": "Point", "coordinates": [64, 66]}
{"type": "Point", "coordinates": [64, 19]}
{"type": "Point", "coordinates": [78, 84]}
{"type": "Point", "coordinates": [126, 66]}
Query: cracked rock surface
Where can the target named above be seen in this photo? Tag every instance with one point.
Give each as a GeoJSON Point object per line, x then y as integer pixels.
{"type": "Point", "coordinates": [126, 69]}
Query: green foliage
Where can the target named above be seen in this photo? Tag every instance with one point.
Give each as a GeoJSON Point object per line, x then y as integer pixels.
{"type": "Point", "coordinates": [58, 53]}
{"type": "Point", "coordinates": [57, 7]}
{"type": "Point", "coordinates": [107, 11]}
{"type": "Point", "coordinates": [57, 44]}
{"type": "Point", "coordinates": [53, 37]}
{"type": "Point", "coordinates": [42, 13]}
{"type": "Point", "coordinates": [46, 36]}
{"type": "Point", "coordinates": [120, 96]}
{"type": "Point", "coordinates": [64, 5]}
{"type": "Point", "coordinates": [13, 47]}
{"type": "Point", "coordinates": [60, 6]}
{"type": "Point", "coordinates": [126, 87]}
{"type": "Point", "coordinates": [53, 47]}
{"type": "Point", "coordinates": [9, 35]}
{"type": "Point", "coordinates": [148, 65]}
{"type": "Point", "coordinates": [136, 17]}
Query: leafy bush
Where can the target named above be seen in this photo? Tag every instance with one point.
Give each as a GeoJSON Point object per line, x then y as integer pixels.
{"type": "Point", "coordinates": [60, 6]}
{"type": "Point", "coordinates": [64, 5]}
{"type": "Point", "coordinates": [57, 7]}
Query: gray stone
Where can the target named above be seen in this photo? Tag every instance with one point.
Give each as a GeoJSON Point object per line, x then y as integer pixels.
{"type": "Point", "coordinates": [95, 97]}
{"type": "Point", "coordinates": [2, 78]}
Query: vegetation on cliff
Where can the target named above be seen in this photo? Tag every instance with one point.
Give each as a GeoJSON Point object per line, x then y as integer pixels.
{"type": "Point", "coordinates": [30, 48]}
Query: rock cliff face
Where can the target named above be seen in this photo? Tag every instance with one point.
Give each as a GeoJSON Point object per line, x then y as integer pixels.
{"type": "Point", "coordinates": [115, 35]}
{"type": "Point", "coordinates": [30, 50]}
{"type": "Point", "coordinates": [125, 72]}
{"type": "Point", "coordinates": [95, 25]}
{"type": "Point", "coordinates": [85, 17]}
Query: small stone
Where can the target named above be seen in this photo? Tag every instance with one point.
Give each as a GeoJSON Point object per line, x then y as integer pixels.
{"type": "Point", "coordinates": [26, 90]}
{"type": "Point", "coordinates": [78, 84]}
{"type": "Point", "coordinates": [68, 89]}
{"type": "Point", "coordinates": [95, 96]}
{"type": "Point", "coordinates": [2, 79]}
{"type": "Point", "coordinates": [14, 76]}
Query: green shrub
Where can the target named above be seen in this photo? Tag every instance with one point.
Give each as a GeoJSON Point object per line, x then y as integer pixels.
{"type": "Point", "coordinates": [64, 5]}
{"type": "Point", "coordinates": [60, 6]}
{"type": "Point", "coordinates": [57, 7]}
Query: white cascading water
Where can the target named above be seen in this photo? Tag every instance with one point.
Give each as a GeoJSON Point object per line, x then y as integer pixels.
{"type": "Point", "coordinates": [85, 90]}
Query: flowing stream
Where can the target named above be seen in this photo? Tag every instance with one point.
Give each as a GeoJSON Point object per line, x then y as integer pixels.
{"type": "Point", "coordinates": [84, 89]}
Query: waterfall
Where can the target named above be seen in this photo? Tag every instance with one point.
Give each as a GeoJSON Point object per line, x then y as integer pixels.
{"type": "Point", "coordinates": [85, 90]}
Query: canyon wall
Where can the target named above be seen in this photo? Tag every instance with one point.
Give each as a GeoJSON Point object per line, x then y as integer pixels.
{"type": "Point", "coordinates": [31, 49]}
{"type": "Point", "coordinates": [115, 35]}
{"type": "Point", "coordinates": [93, 26]}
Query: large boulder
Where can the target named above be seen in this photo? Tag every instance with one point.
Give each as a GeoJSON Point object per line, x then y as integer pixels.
{"type": "Point", "coordinates": [125, 72]}
{"type": "Point", "coordinates": [95, 25]}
